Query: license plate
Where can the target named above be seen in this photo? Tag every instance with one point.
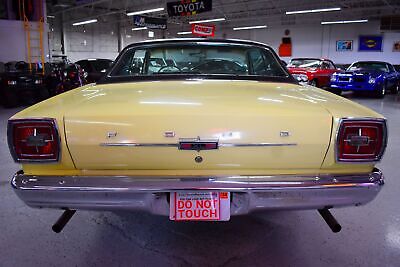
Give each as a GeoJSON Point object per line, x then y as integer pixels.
{"type": "Point", "coordinates": [200, 206]}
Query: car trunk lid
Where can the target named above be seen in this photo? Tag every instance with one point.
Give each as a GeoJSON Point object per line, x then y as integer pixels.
{"type": "Point", "coordinates": [257, 125]}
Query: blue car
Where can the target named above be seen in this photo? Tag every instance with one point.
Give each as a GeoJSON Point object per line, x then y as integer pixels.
{"type": "Point", "coordinates": [369, 76]}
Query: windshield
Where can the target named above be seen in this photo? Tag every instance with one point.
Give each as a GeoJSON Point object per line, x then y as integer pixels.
{"type": "Point", "coordinates": [304, 63]}
{"type": "Point", "coordinates": [207, 59]}
{"type": "Point", "coordinates": [380, 66]}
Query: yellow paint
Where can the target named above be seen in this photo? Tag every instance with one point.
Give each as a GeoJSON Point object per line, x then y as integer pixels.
{"type": "Point", "coordinates": [232, 111]}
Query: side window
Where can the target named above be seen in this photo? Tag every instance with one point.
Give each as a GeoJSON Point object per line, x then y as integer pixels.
{"type": "Point", "coordinates": [331, 66]}
{"type": "Point", "coordinates": [256, 59]}
{"type": "Point", "coordinates": [391, 68]}
{"type": "Point", "coordinates": [132, 64]}
{"type": "Point", "coordinates": [325, 65]}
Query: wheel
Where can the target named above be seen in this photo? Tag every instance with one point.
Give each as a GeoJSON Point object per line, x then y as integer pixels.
{"type": "Point", "coordinates": [381, 91]}
{"type": "Point", "coordinates": [396, 88]}
{"type": "Point", "coordinates": [314, 83]}
{"type": "Point", "coordinates": [43, 94]}
{"type": "Point", "coordinates": [335, 91]}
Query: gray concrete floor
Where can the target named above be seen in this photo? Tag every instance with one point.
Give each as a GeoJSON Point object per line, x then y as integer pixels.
{"type": "Point", "coordinates": [370, 234]}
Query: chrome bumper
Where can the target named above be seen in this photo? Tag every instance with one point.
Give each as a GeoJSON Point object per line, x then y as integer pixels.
{"type": "Point", "coordinates": [248, 193]}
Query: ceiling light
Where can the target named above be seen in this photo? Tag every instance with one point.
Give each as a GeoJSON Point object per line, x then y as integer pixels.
{"type": "Point", "coordinates": [51, 16]}
{"type": "Point", "coordinates": [84, 22]}
{"type": "Point", "coordinates": [183, 33]}
{"type": "Point", "coordinates": [139, 29]}
{"type": "Point", "coordinates": [343, 21]}
{"type": "Point", "coordinates": [145, 11]}
{"type": "Point", "coordinates": [250, 27]}
{"type": "Point", "coordinates": [206, 20]}
{"type": "Point", "coordinates": [313, 10]}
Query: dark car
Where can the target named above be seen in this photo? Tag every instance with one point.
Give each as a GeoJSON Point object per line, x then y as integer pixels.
{"type": "Point", "coordinates": [19, 84]}
{"type": "Point", "coordinates": [317, 71]}
{"type": "Point", "coordinates": [95, 68]}
{"type": "Point", "coordinates": [376, 77]}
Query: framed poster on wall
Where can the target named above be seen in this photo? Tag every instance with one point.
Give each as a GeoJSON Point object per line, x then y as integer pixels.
{"type": "Point", "coordinates": [370, 43]}
{"type": "Point", "coordinates": [344, 45]}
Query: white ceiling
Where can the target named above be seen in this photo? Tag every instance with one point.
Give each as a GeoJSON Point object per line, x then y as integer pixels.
{"type": "Point", "coordinates": [236, 12]}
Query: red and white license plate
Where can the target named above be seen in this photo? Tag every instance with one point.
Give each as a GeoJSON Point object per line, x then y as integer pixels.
{"type": "Point", "coordinates": [200, 206]}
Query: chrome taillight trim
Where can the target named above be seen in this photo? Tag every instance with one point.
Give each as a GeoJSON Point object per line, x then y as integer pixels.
{"type": "Point", "coordinates": [384, 141]}
{"type": "Point", "coordinates": [11, 145]}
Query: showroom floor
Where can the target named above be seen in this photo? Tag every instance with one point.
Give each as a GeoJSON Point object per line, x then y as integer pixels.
{"type": "Point", "coordinates": [370, 234]}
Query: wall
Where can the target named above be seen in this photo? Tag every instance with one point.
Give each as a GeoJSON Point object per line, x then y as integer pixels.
{"type": "Point", "coordinates": [91, 41]}
{"type": "Point", "coordinates": [13, 40]}
{"type": "Point", "coordinates": [320, 41]}
{"type": "Point", "coordinates": [100, 40]}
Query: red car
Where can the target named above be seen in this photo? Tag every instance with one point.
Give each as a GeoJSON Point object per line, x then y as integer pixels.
{"type": "Point", "coordinates": [317, 70]}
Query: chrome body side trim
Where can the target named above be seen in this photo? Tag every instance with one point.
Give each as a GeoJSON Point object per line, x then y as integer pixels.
{"type": "Point", "coordinates": [150, 193]}
{"type": "Point", "coordinates": [176, 145]}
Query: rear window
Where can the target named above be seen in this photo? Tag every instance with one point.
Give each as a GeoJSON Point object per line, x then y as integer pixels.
{"type": "Point", "coordinates": [101, 65]}
{"type": "Point", "coordinates": [203, 59]}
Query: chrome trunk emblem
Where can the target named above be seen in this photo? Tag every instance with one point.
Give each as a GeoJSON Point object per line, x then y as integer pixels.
{"type": "Point", "coordinates": [197, 144]}
{"type": "Point", "coordinates": [111, 134]}
{"type": "Point", "coordinates": [169, 134]}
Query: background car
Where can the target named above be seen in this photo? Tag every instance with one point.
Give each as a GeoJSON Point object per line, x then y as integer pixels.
{"type": "Point", "coordinates": [376, 77]}
{"type": "Point", "coordinates": [19, 84]}
{"type": "Point", "coordinates": [318, 71]}
{"type": "Point", "coordinates": [95, 68]}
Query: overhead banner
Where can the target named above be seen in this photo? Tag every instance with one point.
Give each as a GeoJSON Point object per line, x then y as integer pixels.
{"type": "Point", "coordinates": [149, 22]}
{"type": "Point", "coordinates": [203, 30]}
{"type": "Point", "coordinates": [188, 7]}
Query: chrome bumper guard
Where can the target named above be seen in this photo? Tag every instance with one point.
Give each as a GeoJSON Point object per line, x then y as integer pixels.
{"type": "Point", "coordinates": [248, 193]}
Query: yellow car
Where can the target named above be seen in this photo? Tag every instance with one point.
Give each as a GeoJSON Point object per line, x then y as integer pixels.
{"type": "Point", "coordinates": [220, 129]}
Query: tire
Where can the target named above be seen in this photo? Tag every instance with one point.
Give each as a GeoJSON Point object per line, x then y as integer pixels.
{"type": "Point", "coordinates": [10, 99]}
{"type": "Point", "coordinates": [396, 88]}
{"type": "Point", "coordinates": [381, 91]}
{"type": "Point", "coordinates": [43, 93]}
{"type": "Point", "coordinates": [314, 83]}
{"type": "Point", "coordinates": [336, 91]}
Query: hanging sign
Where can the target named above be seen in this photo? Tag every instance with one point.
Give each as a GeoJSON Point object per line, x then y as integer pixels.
{"type": "Point", "coordinates": [188, 7]}
{"type": "Point", "coordinates": [203, 30]}
{"type": "Point", "coordinates": [149, 22]}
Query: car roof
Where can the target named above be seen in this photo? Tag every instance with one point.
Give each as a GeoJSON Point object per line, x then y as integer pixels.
{"type": "Point", "coordinates": [310, 58]}
{"type": "Point", "coordinates": [371, 61]}
{"type": "Point", "coordinates": [94, 59]}
{"type": "Point", "coordinates": [205, 40]}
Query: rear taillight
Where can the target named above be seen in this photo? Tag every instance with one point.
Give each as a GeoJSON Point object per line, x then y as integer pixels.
{"type": "Point", "coordinates": [361, 140]}
{"type": "Point", "coordinates": [33, 140]}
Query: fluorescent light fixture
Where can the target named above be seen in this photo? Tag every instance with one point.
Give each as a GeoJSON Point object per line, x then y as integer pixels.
{"type": "Point", "coordinates": [51, 16]}
{"type": "Point", "coordinates": [250, 27]}
{"type": "Point", "coordinates": [343, 21]}
{"type": "Point", "coordinates": [313, 10]}
{"type": "Point", "coordinates": [84, 22]}
{"type": "Point", "coordinates": [145, 11]}
{"type": "Point", "coordinates": [183, 33]}
{"type": "Point", "coordinates": [139, 29]}
{"type": "Point", "coordinates": [207, 20]}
